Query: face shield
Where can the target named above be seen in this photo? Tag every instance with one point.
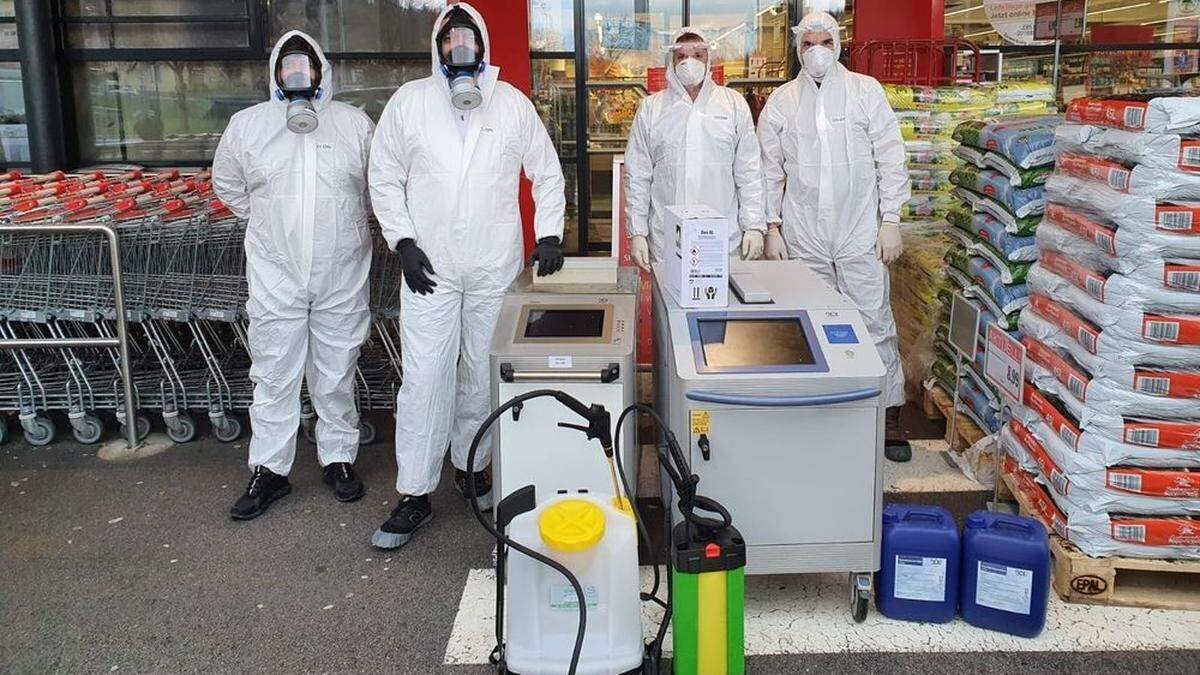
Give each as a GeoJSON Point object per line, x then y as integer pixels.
{"type": "Point", "coordinates": [690, 59]}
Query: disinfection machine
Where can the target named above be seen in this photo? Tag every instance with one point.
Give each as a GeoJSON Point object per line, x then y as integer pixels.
{"type": "Point", "coordinates": [579, 339]}
{"type": "Point", "coordinates": [778, 399]}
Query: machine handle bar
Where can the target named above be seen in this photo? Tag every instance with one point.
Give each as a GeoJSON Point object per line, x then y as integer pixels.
{"type": "Point", "coordinates": [606, 375]}
{"type": "Point", "coordinates": [781, 401]}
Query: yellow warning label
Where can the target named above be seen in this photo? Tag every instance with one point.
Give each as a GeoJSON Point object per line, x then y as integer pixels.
{"type": "Point", "coordinates": [701, 422]}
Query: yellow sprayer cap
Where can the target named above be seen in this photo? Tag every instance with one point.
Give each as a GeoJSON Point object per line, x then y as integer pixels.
{"type": "Point", "coordinates": [572, 525]}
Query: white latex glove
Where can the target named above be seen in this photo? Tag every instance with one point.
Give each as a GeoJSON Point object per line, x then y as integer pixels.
{"type": "Point", "coordinates": [773, 247]}
{"type": "Point", "coordinates": [639, 250]}
{"type": "Point", "coordinates": [889, 245]}
{"type": "Point", "coordinates": [752, 245]}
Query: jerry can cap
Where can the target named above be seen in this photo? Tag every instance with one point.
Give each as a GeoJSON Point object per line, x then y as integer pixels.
{"type": "Point", "coordinates": [572, 525]}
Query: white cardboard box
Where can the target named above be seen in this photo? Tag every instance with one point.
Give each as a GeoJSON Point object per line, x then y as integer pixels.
{"type": "Point", "coordinates": [697, 256]}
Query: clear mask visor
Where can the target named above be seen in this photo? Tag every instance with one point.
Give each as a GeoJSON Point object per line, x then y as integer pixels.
{"type": "Point", "coordinates": [460, 48]}
{"type": "Point", "coordinates": [296, 73]}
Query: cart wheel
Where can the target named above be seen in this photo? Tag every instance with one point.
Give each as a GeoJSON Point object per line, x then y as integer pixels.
{"type": "Point", "coordinates": [3, 430]}
{"type": "Point", "coordinates": [181, 429]}
{"type": "Point", "coordinates": [366, 432]}
{"type": "Point", "coordinates": [860, 596]}
{"type": "Point", "coordinates": [39, 431]}
{"type": "Point", "coordinates": [229, 430]}
{"type": "Point", "coordinates": [310, 429]}
{"type": "Point", "coordinates": [141, 423]}
{"type": "Point", "coordinates": [87, 429]}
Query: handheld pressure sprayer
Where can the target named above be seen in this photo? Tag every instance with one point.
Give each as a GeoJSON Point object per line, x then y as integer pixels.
{"type": "Point", "coordinates": [693, 527]}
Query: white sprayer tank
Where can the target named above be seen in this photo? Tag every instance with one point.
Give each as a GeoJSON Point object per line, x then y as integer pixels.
{"type": "Point", "coordinates": [598, 543]}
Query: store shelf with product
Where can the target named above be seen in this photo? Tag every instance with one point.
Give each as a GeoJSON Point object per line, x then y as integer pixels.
{"type": "Point", "coordinates": [969, 224]}
{"type": "Point", "coordinates": [1111, 413]}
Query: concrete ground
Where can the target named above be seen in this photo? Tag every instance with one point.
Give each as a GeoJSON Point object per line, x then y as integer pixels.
{"type": "Point", "coordinates": [136, 567]}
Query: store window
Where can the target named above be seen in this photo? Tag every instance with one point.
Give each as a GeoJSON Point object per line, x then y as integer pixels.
{"type": "Point", "coordinates": [357, 26]}
{"type": "Point", "coordinates": [156, 24]}
{"type": "Point", "coordinates": [553, 95]}
{"type": "Point", "coordinates": [8, 26]}
{"type": "Point", "coordinates": [367, 84]}
{"type": "Point", "coordinates": [551, 25]}
{"type": "Point", "coordinates": [14, 138]}
{"type": "Point", "coordinates": [160, 111]}
{"type": "Point", "coordinates": [1120, 50]}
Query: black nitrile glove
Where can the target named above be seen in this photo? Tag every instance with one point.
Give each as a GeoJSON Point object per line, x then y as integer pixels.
{"type": "Point", "coordinates": [415, 264]}
{"type": "Point", "coordinates": [548, 255]}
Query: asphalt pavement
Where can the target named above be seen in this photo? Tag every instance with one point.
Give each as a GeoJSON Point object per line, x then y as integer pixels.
{"type": "Point", "coordinates": [136, 567]}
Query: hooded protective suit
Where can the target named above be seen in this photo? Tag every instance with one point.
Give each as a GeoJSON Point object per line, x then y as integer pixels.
{"type": "Point", "coordinates": [457, 198]}
{"type": "Point", "coordinates": [692, 152]}
{"type": "Point", "coordinates": [834, 170]}
{"type": "Point", "coordinates": [308, 254]}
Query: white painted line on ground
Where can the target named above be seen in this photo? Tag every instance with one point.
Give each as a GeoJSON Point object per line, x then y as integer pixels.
{"type": "Point", "coordinates": [810, 614]}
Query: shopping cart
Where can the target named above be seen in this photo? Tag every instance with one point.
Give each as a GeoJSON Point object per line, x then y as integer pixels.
{"type": "Point", "coordinates": [184, 280]}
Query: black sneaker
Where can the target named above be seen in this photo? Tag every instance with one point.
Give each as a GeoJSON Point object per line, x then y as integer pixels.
{"type": "Point", "coordinates": [264, 488]}
{"type": "Point", "coordinates": [483, 486]}
{"type": "Point", "coordinates": [345, 483]}
{"type": "Point", "coordinates": [409, 514]}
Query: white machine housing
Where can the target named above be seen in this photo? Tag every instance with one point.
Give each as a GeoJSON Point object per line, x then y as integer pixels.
{"type": "Point", "coordinates": [580, 339]}
{"type": "Point", "coordinates": [787, 396]}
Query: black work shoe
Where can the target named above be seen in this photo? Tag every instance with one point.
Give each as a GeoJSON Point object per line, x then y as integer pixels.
{"type": "Point", "coordinates": [897, 451]}
{"type": "Point", "coordinates": [264, 488]}
{"type": "Point", "coordinates": [483, 487]}
{"type": "Point", "coordinates": [345, 483]}
{"type": "Point", "coordinates": [409, 514]}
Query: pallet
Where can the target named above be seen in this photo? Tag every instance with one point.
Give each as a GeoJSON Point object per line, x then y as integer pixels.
{"type": "Point", "coordinates": [938, 404]}
{"type": "Point", "coordinates": [1117, 581]}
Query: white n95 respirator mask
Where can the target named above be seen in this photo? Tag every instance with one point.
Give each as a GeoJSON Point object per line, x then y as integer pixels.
{"type": "Point", "coordinates": [817, 60]}
{"type": "Point", "coordinates": [691, 71]}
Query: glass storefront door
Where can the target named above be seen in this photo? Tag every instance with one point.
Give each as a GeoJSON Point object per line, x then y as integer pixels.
{"type": "Point", "coordinates": [588, 89]}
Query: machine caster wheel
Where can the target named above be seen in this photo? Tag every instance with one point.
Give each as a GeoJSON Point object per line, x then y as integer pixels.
{"type": "Point", "coordinates": [180, 428]}
{"type": "Point", "coordinates": [860, 596]}
{"type": "Point", "coordinates": [366, 432]}
{"type": "Point", "coordinates": [39, 430]}
{"type": "Point", "coordinates": [228, 430]}
{"type": "Point", "coordinates": [87, 429]}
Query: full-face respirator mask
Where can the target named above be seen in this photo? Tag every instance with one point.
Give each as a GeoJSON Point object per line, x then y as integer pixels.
{"type": "Point", "coordinates": [460, 46]}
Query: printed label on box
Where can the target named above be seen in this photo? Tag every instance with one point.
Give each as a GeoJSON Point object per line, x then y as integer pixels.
{"type": "Point", "coordinates": [920, 578]}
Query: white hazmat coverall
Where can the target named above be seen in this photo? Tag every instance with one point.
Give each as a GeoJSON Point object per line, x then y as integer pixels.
{"type": "Point", "coordinates": [834, 169]}
{"type": "Point", "coordinates": [308, 254]}
{"type": "Point", "coordinates": [685, 152]}
{"type": "Point", "coordinates": [457, 198]}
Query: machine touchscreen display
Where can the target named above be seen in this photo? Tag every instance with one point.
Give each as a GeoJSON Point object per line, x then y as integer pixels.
{"type": "Point", "coordinates": [564, 323]}
{"type": "Point", "coordinates": [741, 343]}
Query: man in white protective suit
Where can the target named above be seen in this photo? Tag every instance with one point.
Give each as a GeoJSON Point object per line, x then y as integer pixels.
{"type": "Point", "coordinates": [836, 179]}
{"type": "Point", "coordinates": [693, 143]}
{"type": "Point", "coordinates": [445, 168]}
{"type": "Point", "coordinates": [295, 167]}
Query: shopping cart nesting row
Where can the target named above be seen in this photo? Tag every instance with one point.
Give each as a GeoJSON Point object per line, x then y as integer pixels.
{"type": "Point", "coordinates": [183, 276]}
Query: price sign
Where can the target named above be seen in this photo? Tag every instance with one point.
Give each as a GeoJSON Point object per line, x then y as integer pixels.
{"type": "Point", "coordinates": [1005, 364]}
